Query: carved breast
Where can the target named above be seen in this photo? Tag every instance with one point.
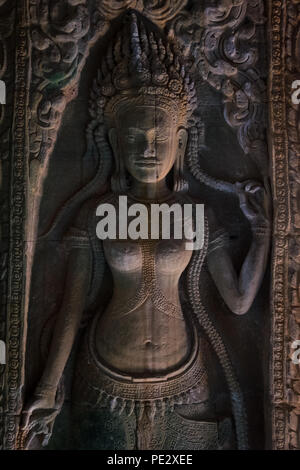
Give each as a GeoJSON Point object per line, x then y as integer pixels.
{"type": "Point", "coordinates": [170, 256]}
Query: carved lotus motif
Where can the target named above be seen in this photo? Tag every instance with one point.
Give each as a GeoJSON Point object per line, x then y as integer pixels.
{"type": "Point", "coordinates": [158, 11]}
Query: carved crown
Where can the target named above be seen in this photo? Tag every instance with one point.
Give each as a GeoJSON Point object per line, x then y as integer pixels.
{"type": "Point", "coordinates": [141, 63]}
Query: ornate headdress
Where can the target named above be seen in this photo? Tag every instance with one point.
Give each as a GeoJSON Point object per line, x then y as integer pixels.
{"type": "Point", "coordinates": [141, 64]}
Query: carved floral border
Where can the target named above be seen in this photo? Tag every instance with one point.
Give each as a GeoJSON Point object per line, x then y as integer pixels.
{"type": "Point", "coordinates": [5, 124]}
{"type": "Point", "coordinates": [14, 146]}
{"type": "Point", "coordinates": [284, 392]}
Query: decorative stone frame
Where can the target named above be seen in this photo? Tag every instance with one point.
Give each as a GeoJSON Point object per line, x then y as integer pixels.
{"type": "Point", "coordinates": [20, 188]}
{"type": "Point", "coordinates": [284, 141]}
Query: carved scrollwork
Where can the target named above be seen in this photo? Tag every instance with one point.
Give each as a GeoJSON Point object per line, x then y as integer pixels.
{"type": "Point", "coordinates": [223, 43]}
{"type": "Point", "coordinates": [60, 34]}
{"type": "Point", "coordinates": [157, 11]}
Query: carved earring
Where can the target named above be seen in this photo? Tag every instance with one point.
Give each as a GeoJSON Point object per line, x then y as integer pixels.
{"type": "Point", "coordinates": [179, 182]}
{"type": "Point", "coordinates": [118, 178]}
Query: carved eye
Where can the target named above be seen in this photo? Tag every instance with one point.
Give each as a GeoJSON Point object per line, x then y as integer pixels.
{"type": "Point", "coordinates": [160, 136]}
{"type": "Point", "coordinates": [130, 138]}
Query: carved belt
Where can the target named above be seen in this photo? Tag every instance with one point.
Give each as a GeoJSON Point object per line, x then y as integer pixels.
{"type": "Point", "coordinates": [98, 385]}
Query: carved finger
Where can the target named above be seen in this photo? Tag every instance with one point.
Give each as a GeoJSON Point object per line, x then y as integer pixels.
{"type": "Point", "coordinates": [25, 418]}
{"type": "Point", "coordinates": [253, 187]}
{"type": "Point", "coordinates": [247, 185]}
{"type": "Point", "coordinates": [242, 198]}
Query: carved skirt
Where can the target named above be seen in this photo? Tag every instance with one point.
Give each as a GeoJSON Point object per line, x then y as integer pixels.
{"type": "Point", "coordinates": [114, 411]}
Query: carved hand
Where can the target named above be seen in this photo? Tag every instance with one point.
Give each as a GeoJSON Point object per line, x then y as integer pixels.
{"type": "Point", "coordinates": [255, 203]}
{"type": "Point", "coordinates": [39, 414]}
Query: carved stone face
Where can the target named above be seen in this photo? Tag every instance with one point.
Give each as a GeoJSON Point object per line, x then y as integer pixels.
{"type": "Point", "coordinates": [147, 140]}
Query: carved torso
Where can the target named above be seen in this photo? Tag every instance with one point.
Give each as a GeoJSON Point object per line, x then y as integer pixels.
{"type": "Point", "coordinates": [143, 330]}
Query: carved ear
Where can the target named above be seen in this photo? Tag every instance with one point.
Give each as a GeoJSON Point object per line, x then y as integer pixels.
{"type": "Point", "coordinates": [113, 140]}
{"type": "Point", "coordinates": [182, 137]}
{"type": "Point", "coordinates": [118, 179]}
{"type": "Point", "coordinates": [179, 182]}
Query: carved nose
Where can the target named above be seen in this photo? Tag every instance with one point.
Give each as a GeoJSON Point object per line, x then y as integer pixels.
{"type": "Point", "coordinates": [149, 151]}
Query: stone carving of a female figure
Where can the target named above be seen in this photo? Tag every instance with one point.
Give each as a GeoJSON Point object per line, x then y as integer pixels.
{"type": "Point", "coordinates": [140, 372]}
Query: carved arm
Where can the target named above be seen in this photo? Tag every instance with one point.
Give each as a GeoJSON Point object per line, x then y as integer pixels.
{"type": "Point", "coordinates": [66, 327]}
{"type": "Point", "coordinates": [239, 290]}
